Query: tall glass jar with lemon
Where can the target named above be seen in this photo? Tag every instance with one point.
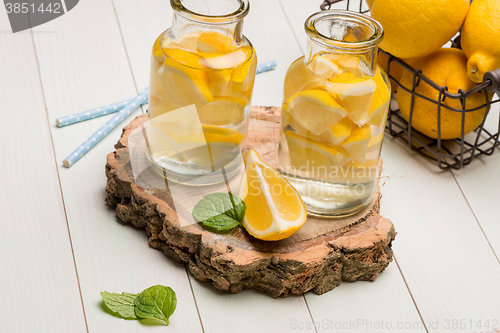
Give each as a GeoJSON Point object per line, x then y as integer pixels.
{"type": "Point", "coordinates": [201, 82]}
{"type": "Point", "coordinates": [335, 106]}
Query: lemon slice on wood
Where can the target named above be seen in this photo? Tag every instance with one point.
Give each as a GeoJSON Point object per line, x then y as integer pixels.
{"type": "Point", "coordinates": [274, 207]}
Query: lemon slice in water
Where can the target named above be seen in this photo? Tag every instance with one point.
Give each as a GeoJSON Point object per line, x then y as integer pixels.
{"type": "Point", "coordinates": [315, 110]}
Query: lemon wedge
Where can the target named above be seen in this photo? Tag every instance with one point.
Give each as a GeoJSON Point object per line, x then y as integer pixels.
{"type": "Point", "coordinates": [324, 67]}
{"type": "Point", "coordinates": [380, 103]}
{"type": "Point", "coordinates": [208, 134]}
{"type": "Point", "coordinates": [274, 207]}
{"type": "Point", "coordinates": [315, 110]}
{"type": "Point", "coordinates": [313, 156]}
{"type": "Point", "coordinates": [354, 94]}
{"type": "Point", "coordinates": [213, 147]}
{"type": "Point", "coordinates": [338, 133]}
{"type": "Point", "coordinates": [354, 65]}
{"type": "Point", "coordinates": [357, 143]}
{"type": "Point", "coordinates": [214, 42]}
{"type": "Point", "coordinates": [185, 85]}
{"type": "Point", "coordinates": [223, 111]}
{"type": "Point", "coordinates": [375, 142]}
{"type": "Point", "coordinates": [220, 134]}
{"type": "Point", "coordinates": [240, 73]}
{"type": "Point", "coordinates": [226, 61]}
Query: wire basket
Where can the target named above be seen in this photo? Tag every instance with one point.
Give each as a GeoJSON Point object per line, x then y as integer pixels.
{"type": "Point", "coordinates": [448, 154]}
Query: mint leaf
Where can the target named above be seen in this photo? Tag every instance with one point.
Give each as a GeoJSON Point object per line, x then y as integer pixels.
{"type": "Point", "coordinates": [156, 302]}
{"type": "Point", "coordinates": [122, 304]}
{"type": "Point", "coordinates": [220, 212]}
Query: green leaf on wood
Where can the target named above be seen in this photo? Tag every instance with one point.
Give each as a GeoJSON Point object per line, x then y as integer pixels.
{"type": "Point", "coordinates": [220, 212]}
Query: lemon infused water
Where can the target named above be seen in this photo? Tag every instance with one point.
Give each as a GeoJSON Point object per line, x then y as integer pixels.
{"type": "Point", "coordinates": [201, 83]}
{"type": "Point", "coordinates": [335, 108]}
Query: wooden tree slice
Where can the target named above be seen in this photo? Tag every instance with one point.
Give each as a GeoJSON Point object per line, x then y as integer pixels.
{"type": "Point", "coordinates": [318, 257]}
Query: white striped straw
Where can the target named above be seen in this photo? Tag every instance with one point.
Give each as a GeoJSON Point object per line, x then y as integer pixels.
{"type": "Point", "coordinates": [91, 114]}
{"type": "Point", "coordinates": [97, 136]}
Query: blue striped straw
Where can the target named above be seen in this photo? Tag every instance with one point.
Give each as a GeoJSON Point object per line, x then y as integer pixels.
{"type": "Point", "coordinates": [113, 108]}
{"type": "Point", "coordinates": [97, 136]}
{"type": "Point", "coordinates": [91, 114]}
{"type": "Point", "coordinates": [267, 66]}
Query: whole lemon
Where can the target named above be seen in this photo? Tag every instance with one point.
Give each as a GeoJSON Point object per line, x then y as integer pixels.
{"type": "Point", "coordinates": [481, 38]}
{"type": "Point", "coordinates": [416, 28]}
{"type": "Point", "coordinates": [446, 67]}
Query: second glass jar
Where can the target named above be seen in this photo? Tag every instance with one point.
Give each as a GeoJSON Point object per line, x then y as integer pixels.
{"type": "Point", "coordinates": [334, 112]}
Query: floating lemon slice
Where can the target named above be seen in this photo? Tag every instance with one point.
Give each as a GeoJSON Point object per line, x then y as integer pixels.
{"type": "Point", "coordinates": [375, 143]}
{"type": "Point", "coordinates": [240, 73]}
{"type": "Point", "coordinates": [226, 61]}
{"type": "Point", "coordinates": [357, 143]}
{"type": "Point", "coordinates": [380, 103]}
{"type": "Point", "coordinates": [354, 65]}
{"type": "Point", "coordinates": [355, 94]}
{"type": "Point", "coordinates": [220, 134]}
{"type": "Point", "coordinates": [315, 110]}
{"type": "Point", "coordinates": [209, 134]}
{"type": "Point", "coordinates": [324, 67]}
{"type": "Point", "coordinates": [185, 85]}
{"type": "Point", "coordinates": [338, 133]}
{"type": "Point", "coordinates": [223, 111]}
{"type": "Point", "coordinates": [212, 147]}
{"type": "Point", "coordinates": [274, 207]}
{"type": "Point", "coordinates": [313, 156]}
{"type": "Point", "coordinates": [214, 42]}
{"type": "Point", "coordinates": [333, 136]}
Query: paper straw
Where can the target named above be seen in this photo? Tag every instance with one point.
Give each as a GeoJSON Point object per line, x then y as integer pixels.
{"type": "Point", "coordinates": [101, 133]}
{"type": "Point", "coordinates": [268, 66]}
{"type": "Point", "coordinates": [91, 114]}
{"type": "Point", "coordinates": [113, 108]}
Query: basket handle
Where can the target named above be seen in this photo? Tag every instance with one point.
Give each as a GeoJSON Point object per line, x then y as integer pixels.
{"type": "Point", "coordinates": [327, 3]}
{"type": "Point", "coordinates": [494, 77]}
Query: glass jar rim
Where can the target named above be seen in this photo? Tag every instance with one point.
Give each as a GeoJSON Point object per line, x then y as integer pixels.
{"type": "Point", "coordinates": [373, 40]}
{"type": "Point", "coordinates": [238, 14]}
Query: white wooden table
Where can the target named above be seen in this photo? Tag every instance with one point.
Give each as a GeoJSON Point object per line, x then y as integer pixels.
{"type": "Point", "coordinates": [61, 245]}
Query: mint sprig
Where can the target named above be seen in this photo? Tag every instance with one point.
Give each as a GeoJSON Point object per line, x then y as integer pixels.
{"type": "Point", "coordinates": [220, 212]}
{"type": "Point", "coordinates": [121, 304]}
{"type": "Point", "coordinates": [154, 302]}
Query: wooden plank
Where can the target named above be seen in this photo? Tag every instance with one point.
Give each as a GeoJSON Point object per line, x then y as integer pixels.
{"type": "Point", "coordinates": [83, 64]}
{"type": "Point", "coordinates": [268, 30]}
{"type": "Point", "coordinates": [448, 265]}
{"type": "Point", "coordinates": [382, 305]}
{"type": "Point", "coordinates": [480, 182]}
{"type": "Point", "coordinates": [38, 281]}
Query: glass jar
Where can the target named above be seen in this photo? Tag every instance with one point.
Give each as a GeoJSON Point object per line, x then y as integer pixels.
{"type": "Point", "coordinates": [201, 83]}
{"type": "Point", "coordinates": [334, 111]}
